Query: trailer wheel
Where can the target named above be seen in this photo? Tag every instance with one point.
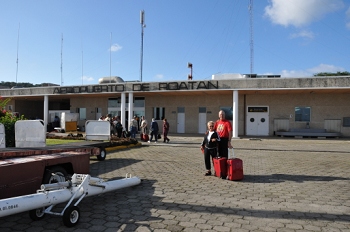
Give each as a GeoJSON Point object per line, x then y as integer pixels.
{"type": "Point", "coordinates": [71, 216]}
{"type": "Point", "coordinates": [37, 214]}
{"type": "Point", "coordinates": [60, 176]}
{"type": "Point", "coordinates": [102, 155]}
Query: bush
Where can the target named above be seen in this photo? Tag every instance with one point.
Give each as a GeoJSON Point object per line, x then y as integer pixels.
{"type": "Point", "coordinates": [9, 120]}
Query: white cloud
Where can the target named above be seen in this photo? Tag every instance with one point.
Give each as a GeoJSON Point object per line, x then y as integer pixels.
{"type": "Point", "coordinates": [326, 68]}
{"type": "Point", "coordinates": [159, 76]}
{"type": "Point", "coordinates": [348, 18]}
{"type": "Point", "coordinates": [86, 78]}
{"type": "Point", "coordinates": [300, 12]}
{"type": "Point", "coordinates": [115, 48]}
{"type": "Point", "coordinates": [295, 73]}
{"type": "Point", "coordinates": [311, 71]}
{"type": "Point", "coordinates": [303, 34]}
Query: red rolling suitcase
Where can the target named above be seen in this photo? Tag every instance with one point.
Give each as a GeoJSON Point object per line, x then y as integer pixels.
{"type": "Point", "coordinates": [220, 166]}
{"type": "Point", "coordinates": [234, 167]}
{"type": "Point", "coordinates": [145, 137]}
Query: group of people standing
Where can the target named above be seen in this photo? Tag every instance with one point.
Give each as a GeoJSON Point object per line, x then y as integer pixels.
{"type": "Point", "coordinates": [137, 124]}
{"type": "Point", "coordinates": [116, 125]}
{"type": "Point", "coordinates": [154, 129]}
{"type": "Point", "coordinates": [216, 140]}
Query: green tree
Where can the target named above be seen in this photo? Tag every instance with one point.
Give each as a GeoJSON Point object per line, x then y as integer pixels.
{"type": "Point", "coordinates": [322, 74]}
{"type": "Point", "coordinates": [8, 120]}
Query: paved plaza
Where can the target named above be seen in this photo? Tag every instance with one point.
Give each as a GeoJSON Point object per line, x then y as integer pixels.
{"type": "Point", "coordinates": [289, 185]}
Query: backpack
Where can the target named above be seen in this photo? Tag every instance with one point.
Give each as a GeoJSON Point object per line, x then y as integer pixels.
{"type": "Point", "coordinates": [118, 125]}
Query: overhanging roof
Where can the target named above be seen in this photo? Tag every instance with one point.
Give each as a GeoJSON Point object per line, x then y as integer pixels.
{"type": "Point", "coordinates": [312, 85]}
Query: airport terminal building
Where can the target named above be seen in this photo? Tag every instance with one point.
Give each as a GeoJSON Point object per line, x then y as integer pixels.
{"type": "Point", "coordinates": [259, 106]}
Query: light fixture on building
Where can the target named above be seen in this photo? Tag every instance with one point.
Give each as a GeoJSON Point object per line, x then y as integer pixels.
{"type": "Point", "coordinates": [189, 65]}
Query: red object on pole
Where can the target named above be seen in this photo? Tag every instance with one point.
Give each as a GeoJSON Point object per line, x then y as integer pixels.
{"type": "Point", "coordinates": [189, 65]}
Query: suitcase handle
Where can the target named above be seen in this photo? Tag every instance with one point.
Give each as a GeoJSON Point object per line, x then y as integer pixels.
{"type": "Point", "coordinates": [231, 153]}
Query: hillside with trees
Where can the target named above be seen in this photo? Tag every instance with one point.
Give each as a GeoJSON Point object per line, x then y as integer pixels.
{"type": "Point", "coordinates": [9, 85]}
{"type": "Point", "coordinates": [323, 74]}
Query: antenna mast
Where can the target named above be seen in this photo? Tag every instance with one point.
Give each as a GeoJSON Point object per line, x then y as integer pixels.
{"type": "Point", "coordinates": [17, 52]}
{"type": "Point", "coordinates": [82, 61]}
{"type": "Point", "coordinates": [110, 59]}
{"type": "Point", "coordinates": [251, 37]}
{"type": "Point", "coordinates": [143, 25]}
{"type": "Point", "coordinates": [82, 67]}
{"type": "Point", "coordinates": [62, 60]}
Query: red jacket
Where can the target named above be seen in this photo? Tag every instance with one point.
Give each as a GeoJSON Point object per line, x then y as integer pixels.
{"type": "Point", "coordinates": [223, 127]}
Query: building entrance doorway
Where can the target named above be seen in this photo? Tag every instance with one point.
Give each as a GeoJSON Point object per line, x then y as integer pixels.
{"type": "Point", "coordinates": [257, 120]}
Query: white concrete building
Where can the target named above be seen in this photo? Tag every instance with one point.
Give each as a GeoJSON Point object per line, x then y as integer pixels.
{"type": "Point", "coordinates": [260, 106]}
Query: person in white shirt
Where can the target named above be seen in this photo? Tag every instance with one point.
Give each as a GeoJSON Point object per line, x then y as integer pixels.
{"type": "Point", "coordinates": [209, 146]}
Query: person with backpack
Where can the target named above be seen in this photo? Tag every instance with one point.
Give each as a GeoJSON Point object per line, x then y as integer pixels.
{"type": "Point", "coordinates": [153, 131]}
{"type": "Point", "coordinates": [118, 126]}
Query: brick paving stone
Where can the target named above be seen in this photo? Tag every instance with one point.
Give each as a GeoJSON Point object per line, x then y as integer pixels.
{"type": "Point", "coordinates": [143, 229]}
{"type": "Point", "coordinates": [203, 226]}
{"type": "Point", "coordinates": [289, 185]}
{"type": "Point", "coordinates": [313, 228]}
{"type": "Point", "coordinates": [192, 230]}
{"type": "Point", "coordinates": [175, 228]}
{"type": "Point", "coordinates": [221, 228]}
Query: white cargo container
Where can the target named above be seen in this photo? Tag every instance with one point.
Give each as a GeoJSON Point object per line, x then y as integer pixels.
{"type": "Point", "coordinates": [226, 76]}
{"type": "Point", "coordinates": [69, 121]}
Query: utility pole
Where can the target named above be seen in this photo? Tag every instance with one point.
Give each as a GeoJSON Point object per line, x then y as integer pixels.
{"type": "Point", "coordinates": [61, 60]}
{"type": "Point", "coordinates": [143, 25]}
{"type": "Point", "coordinates": [251, 37]}
{"type": "Point", "coordinates": [17, 52]}
{"type": "Point", "coordinates": [110, 59]}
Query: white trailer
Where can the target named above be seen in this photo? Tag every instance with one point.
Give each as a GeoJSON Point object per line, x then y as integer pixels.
{"type": "Point", "coordinates": [72, 191]}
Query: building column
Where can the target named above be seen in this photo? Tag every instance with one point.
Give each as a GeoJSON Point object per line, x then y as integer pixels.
{"type": "Point", "coordinates": [46, 111]}
{"type": "Point", "coordinates": [122, 110]}
{"type": "Point", "coordinates": [235, 115]}
{"type": "Point", "coordinates": [131, 107]}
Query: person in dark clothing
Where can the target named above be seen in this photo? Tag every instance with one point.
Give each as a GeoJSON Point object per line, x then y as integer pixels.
{"type": "Point", "coordinates": [154, 131]}
{"type": "Point", "coordinates": [165, 131]}
{"type": "Point", "coordinates": [56, 122]}
{"type": "Point", "coordinates": [224, 129]}
{"type": "Point", "coordinates": [118, 127]}
{"type": "Point", "coordinates": [209, 146]}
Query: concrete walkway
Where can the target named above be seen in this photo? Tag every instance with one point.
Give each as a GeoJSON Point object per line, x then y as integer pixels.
{"type": "Point", "coordinates": [289, 185]}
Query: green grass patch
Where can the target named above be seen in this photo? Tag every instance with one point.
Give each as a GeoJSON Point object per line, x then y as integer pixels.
{"type": "Point", "coordinates": [59, 141]}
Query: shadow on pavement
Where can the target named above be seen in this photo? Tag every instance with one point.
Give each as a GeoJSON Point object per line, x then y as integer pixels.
{"type": "Point", "coordinates": [110, 165]}
{"type": "Point", "coordinates": [278, 178]}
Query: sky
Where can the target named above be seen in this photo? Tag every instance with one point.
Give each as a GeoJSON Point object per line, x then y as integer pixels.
{"type": "Point", "coordinates": [78, 42]}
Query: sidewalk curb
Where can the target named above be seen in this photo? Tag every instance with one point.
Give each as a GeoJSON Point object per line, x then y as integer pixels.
{"type": "Point", "coordinates": [115, 148]}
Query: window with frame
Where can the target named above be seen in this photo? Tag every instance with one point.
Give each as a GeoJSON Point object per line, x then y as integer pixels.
{"type": "Point", "coordinates": [202, 110]}
{"type": "Point", "coordinates": [228, 112]}
{"type": "Point", "coordinates": [139, 102]}
{"type": "Point", "coordinates": [302, 114]}
{"type": "Point", "coordinates": [113, 102]}
{"type": "Point", "coordinates": [158, 113]}
{"type": "Point", "coordinates": [82, 113]}
{"type": "Point", "coordinates": [116, 102]}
